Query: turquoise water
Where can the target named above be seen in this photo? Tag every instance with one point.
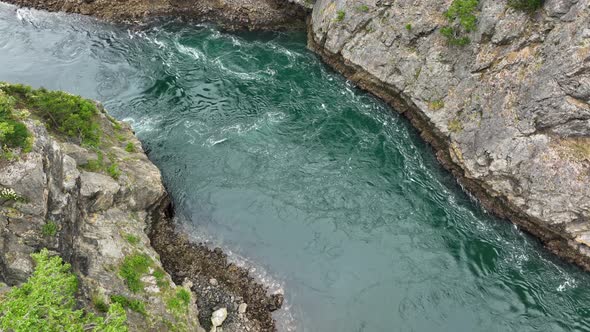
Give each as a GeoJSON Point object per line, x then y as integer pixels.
{"type": "Point", "coordinates": [331, 196]}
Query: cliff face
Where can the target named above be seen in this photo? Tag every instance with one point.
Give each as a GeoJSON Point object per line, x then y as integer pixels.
{"type": "Point", "coordinates": [94, 217]}
{"type": "Point", "coordinates": [507, 112]}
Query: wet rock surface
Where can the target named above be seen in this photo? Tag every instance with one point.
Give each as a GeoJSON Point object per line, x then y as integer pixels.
{"type": "Point", "coordinates": [219, 283]}
{"type": "Point", "coordinates": [508, 113]}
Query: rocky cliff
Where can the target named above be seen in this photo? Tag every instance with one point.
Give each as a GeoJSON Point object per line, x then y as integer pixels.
{"type": "Point", "coordinates": [77, 182]}
{"type": "Point", "coordinates": [91, 206]}
{"type": "Point", "coordinates": [499, 89]}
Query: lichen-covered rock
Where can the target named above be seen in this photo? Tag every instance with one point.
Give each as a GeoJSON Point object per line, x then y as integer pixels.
{"type": "Point", "coordinates": [95, 218]}
{"type": "Point", "coordinates": [508, 113]}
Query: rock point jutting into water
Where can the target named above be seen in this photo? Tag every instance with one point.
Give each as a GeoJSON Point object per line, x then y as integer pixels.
{"type": "Point", "coordinates": [77, 182]}
{"type": "Point", "coordinates": [499, 88]}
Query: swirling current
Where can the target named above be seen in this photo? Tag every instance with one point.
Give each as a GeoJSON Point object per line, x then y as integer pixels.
{"type": "Point", "coordinates": [331, 195]}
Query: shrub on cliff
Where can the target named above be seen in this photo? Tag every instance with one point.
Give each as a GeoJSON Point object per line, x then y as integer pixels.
{"type": "Point", "coordinates": [46, 303]}
{"type": "Point", "coordinates": [13, 133]}
{"type": "Point", "coordinates": [64, 113]}
{"type": "Point", "coordinates": [462, 20]}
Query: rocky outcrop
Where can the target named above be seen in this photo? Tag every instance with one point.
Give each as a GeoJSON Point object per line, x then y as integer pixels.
{"type": "Point", "coordinates": [508, 113]}
{"type": "Point", "coordinates": [93, 220]}
{"type": "Point", "coordinates": [95, 206]}
{"type": "Point", "coordinates": [230, 14]}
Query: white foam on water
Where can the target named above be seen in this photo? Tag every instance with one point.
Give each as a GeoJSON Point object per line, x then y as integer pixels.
{"type": "Point", "coordinates": [569, 283]}
{"type": "Point", "coordinates": [142, 126]}
{"type": "Point", "coordinates": [190, 51]}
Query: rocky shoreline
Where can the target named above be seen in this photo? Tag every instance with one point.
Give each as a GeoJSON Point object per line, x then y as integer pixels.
{"type": "Point", "coordinates": [220, 284]}
{"type": "Point", "coordinates": [554, 240]}
{"type": "Point", "coordinates": [229, 14]}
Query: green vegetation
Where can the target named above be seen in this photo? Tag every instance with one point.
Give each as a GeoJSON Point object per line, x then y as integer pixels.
{"type": "Point", "coordinates": [133, 268]}
{"type": "Point", "coordinates": [45, 302]}
{"type": "Point", "coordinates": [462, 20]}
{"type": "Point", "coordinates": [455, 126]}
{"type": "Point", "coordinates": [130, 147]}
{"type": "Point", "coordinates": [13, 133]}
{"type": "Point", "coordinates": [526, 5]}
{"type": "Point", "coordinates": [179, 302]}
{"type": "Point", "coordinates": [49, 229]}
{"type": "Point", "coordinates": [435, 105]}
{"type": "Point", "coordinates": [362, 8]}
{"type": "Point", "coordinates": [95, 165]}
{"type": "Point", "coordinates": [99, 303]}
{"type": "Point", "coordinates": [10, 195]}
{"type": "Point", "coordinates": [114, 171]}
{"type": "Point", "coordinates": [161, 281]}
{"type": "Point", "coordinates": [132, 239]}
{"type": "Point", "coordinates": [340, 15]}
{"type": "Point", "coordinates": [135, 305]}
{"type": "Point", "coordinates": [99, 165]}
{"type": "Point", "coordinates": [409, 27]}
{"type": "Point", "coordinates": [452, 37]}
{"type": "Point", "coordinates": [66, 114]}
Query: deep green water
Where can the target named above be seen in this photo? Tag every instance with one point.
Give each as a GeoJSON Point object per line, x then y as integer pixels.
{"type": "Point", "coordinates": [331, 196]}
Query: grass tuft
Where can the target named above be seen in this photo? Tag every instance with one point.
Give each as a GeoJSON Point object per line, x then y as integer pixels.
{"type": "Point", "coordinates": [340, 15]}
{"type": "Point", "coordinates": [133, 268]}
{"type": "Point", "coordinates": [49, 229]}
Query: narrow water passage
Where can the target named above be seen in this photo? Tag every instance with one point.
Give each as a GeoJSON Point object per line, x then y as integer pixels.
{"type": "Point", "coordinates": [276, 158]}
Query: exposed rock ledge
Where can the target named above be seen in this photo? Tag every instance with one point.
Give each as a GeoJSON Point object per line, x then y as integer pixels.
{"type": "Point", "coordinates": [99, 221]}
{"type": "Point", "coordinates": [508, 114]}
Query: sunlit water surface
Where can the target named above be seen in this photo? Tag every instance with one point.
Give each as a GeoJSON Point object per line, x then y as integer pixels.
{"type": "Point", "coordinates": [331, 196]}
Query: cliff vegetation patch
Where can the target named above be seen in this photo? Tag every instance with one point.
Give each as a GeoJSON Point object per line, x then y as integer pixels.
{"type": "Point", "coordinates": [65, 114]}
{"type": "Point", "coordinates": [13, 132]}
{"type": "Point", "coordinates": [45, 302]}
{"type": "Point", "coordinates": [133, 268]}
{"type": "Point", "coordinates": [462, 20]}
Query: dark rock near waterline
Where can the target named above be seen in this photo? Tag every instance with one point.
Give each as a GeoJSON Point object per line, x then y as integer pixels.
{"type": "Point", "coordinates": [230, 14]}
{"type": "Point", "coordinates": [232, 287]}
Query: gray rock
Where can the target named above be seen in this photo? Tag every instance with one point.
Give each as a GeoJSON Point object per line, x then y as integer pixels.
{"type": "Point", "coordinates": [95, 214]}
{"type": "Point", "coordinates": [218, 317]}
